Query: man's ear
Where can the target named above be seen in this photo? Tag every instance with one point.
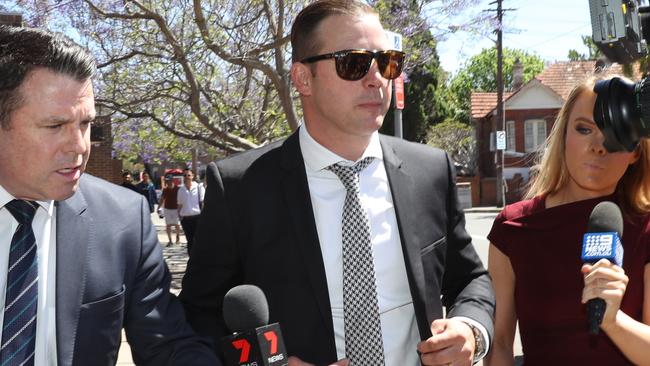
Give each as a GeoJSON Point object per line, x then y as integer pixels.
{"type": "Point", "coordinates": [301, 78]}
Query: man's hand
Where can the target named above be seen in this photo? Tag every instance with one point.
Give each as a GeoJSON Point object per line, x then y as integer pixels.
{"type": "Point", "coordinates": [295, 361]}
{"type": "Point", "coordinates": [452, 343]}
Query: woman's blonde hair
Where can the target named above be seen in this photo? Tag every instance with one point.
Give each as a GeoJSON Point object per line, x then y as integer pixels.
{"type": "Point", "coordinates": [551, 172]}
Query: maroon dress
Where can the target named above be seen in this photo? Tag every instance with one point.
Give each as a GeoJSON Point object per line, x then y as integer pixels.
{"type": "Point", "coordinates": [544, 247]}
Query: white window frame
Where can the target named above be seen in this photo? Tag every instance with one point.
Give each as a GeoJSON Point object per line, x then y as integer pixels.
{"type": "Point", "coordinates": [511, 138]}
{"type": "Point", "coordinates": [534, 134]}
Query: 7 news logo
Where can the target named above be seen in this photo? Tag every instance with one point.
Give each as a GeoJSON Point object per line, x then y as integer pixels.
{"type": "Point", "coordinates": [262, 346]}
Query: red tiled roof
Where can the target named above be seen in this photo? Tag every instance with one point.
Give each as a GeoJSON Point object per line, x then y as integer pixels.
{"type": "Point", "coordinates": [560, 77]}
{"type": "Point", "coordinates": [484, 103]}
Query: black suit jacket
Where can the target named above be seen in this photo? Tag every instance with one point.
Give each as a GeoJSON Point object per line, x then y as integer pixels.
{"type": "Point", "coordinates": [258, 228]}
{"type": "Point", "coordinates": [110, 274]}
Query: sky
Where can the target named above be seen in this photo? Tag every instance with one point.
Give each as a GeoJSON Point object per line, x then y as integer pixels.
{"type": "Point", "coordinates": [547, 28]}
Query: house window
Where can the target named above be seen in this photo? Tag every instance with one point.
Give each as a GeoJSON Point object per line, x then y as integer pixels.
{"type": "Point", "coordinates": [511, 144]}
{"type": "Point", "coordinates": [534, 133]}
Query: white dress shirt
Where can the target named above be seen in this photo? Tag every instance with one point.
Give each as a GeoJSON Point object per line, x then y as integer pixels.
{"type": "Point", "coordinates": [189, 199]}
{"type": "Point", "coordinates": [44, 226]}
{"type": "Point", "coordinates": [398, 324]}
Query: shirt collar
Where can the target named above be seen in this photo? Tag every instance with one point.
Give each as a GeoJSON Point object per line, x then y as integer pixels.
{"type": "Point", "coordinates": [317, 157]}
{"type": "Point", "coordinates": [6, 197]}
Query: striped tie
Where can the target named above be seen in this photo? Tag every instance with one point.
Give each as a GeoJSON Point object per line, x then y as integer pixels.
{"type": "Point", "coordinates": [21, 300]}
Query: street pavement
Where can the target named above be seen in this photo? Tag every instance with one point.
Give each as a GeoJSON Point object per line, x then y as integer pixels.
{"type": "Point", "coordinates": [478, 224]}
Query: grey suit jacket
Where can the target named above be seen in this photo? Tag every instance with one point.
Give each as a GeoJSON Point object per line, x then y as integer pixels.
{"type": "Point", "coordinates": [110, 274]}
{"type": "Point", "coordinates": [258, 227]}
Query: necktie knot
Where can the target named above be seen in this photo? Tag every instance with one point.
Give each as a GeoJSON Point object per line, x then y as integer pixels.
{"type": "Point", "coordinates": [22, 211]}
{"type": "Point", "coordinates": [349, 174]}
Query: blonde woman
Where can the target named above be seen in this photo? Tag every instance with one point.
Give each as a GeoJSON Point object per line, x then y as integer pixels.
{"type": "Point", "coordinates": [535, 248]}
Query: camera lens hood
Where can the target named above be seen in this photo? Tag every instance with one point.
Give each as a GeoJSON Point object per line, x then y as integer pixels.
{"type": "Point", "coordinates": [618, 114]}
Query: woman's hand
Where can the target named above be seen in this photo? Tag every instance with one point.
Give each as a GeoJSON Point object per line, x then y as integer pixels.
{"type": "Point", "coordinates": [607, 281]}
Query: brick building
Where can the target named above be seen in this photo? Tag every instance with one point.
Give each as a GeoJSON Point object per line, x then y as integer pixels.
{"type": "Point", "coordinates": [13, 19]}
{"type": "Point", "coordinates": [101, 162]}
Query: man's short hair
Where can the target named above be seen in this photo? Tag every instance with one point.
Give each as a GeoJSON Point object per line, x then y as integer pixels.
{"type": "Point", "coordinates": [22, 50]}
{"type": "Point", "coordinates": [305, 41]}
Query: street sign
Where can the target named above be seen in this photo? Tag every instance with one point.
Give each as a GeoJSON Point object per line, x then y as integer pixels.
{"type": "Point", "coordinates": [395, 40]}
{"type": "Point", "coordinates": [501, 140]}
{"type": "Point", "coordinates": [399, 92]}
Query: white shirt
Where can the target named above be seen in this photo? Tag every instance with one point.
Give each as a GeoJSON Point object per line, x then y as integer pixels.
{"type": "Point", "coordinates": [44, 226]}
{"type": "Point", "coordinates": [189, 199]}
{"type": "Point", "coordinates": [398, 324]}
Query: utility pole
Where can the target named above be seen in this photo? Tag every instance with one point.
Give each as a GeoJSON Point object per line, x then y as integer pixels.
{"type": "Point", "coordinates": [500, 122]}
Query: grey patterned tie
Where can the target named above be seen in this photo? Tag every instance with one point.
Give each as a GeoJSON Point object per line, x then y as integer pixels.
{"type": "Point", "coordinates": [363, 340]}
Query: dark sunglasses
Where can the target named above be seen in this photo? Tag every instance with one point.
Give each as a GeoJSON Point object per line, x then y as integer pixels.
{"type": "Point", "coordinates": [354, 64]}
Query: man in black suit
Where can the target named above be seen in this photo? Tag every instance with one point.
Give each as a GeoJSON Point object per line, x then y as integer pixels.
{"type": "Point", "coordinates": [292, 219]}
{"type": "Point", "coordinates": [89, 262]}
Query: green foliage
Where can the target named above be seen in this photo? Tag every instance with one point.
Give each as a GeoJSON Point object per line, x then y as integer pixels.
{"type": "Point", "coordinates": [593, 53]}
{"type": "Point", "coordinates": [458, 139]}
{"type": "Point", "coordinates": [479, 73]}
{"type": "Point", "coordinates": [575, 56]}
{"type": "Point", "coordinates": [424, 105]}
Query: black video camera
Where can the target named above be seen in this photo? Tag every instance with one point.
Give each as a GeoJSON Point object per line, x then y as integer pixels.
{"type": "Point", "coordinates": [620, 29]}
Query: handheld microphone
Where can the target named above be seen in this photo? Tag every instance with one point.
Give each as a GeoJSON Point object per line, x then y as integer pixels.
{"type": "Point", "coordinates": [602, 241]}
{"type": "Point", "coordinates": [253, 342]}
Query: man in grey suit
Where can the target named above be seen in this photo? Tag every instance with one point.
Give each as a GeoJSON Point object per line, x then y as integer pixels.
{"type": "Point", "coordinates": [356, 239]}
{"type": "Point", "coordinates": [80, 256]}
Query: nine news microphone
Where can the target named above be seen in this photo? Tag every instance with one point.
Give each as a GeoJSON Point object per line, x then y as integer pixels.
{"type": "Point", "coordinates": [602, 240]}
{"type": "Point", "coordinates": [253, 342]}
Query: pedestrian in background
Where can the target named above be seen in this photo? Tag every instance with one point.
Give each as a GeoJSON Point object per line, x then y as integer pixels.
{"type": "Point", "coordinates": [146, 187]}
{"type": "Point", "coordinates": [127, 182]}
{"type": "Point", "coordinates": [169, 209]}
{"type": "Point", "coordinates": [190, 203]}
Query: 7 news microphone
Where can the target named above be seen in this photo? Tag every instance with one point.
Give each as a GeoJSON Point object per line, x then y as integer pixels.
{"type": "Point", "coordinates": [253, 342]}
{"type": "Point", "coordinates": [602, 241]}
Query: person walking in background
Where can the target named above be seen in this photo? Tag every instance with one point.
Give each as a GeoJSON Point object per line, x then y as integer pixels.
{"type": "Point", "coordinates": [127, 182]}
{"type": "Point", "coordinates": [169, 206]}
{"type": "Point", "coordinates": [534, 256]}
{"type": "Point", "coordinates": [146, 187]}
{"type": "Point", "coordinates": [357, 239]}
{"type": "Point", "coordinates": [190, 202]}
{"type": "Point", "coordinates": [79, 259]}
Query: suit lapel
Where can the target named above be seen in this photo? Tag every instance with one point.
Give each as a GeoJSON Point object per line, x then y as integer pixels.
{"type": "Point", "coordinates": [72, 240]}
{"type": "Point", "coordinates": [301, 214]}
{"type": "Point", "coordinates": [401, 186]}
